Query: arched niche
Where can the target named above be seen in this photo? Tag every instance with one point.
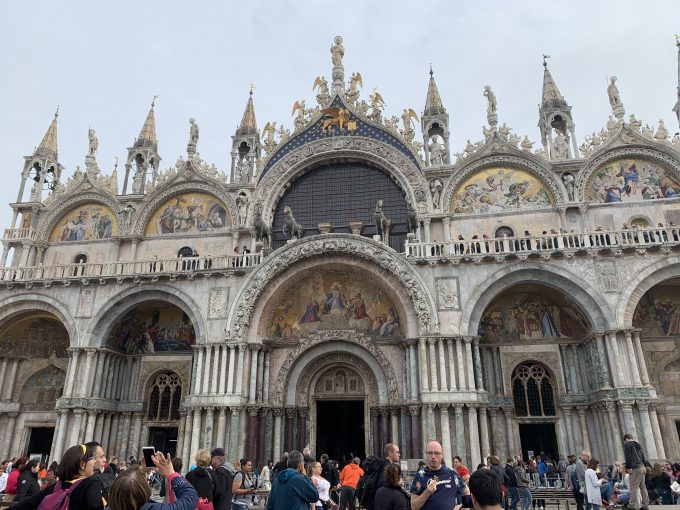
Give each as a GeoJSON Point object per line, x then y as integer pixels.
{"type": "Point", "coordinates": [42, 389]}
{"type": "Point", "coordinates": [189, 213]}
{"type": "Point", "coordinates": [34, 334]}
{"type": "Point", "coordinates": [88, 221]}
{"type": "Point", "coordinates": [657, 314]}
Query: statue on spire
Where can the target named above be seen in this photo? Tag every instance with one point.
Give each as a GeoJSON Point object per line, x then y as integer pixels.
{"type": "Point", "coordinates": [491, 115]}
{"type": "Point", "coordinates": [337, 53]}
{"type": "Point", "coordinates": [615, 99]}
{"type": "Point", "coordinates": [193, 137]}
{"type": "Point", "coordinates": [94, 142]}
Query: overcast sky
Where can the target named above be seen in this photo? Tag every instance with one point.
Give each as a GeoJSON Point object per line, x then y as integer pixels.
{"type": "Point", "coordinates": [102, 62]}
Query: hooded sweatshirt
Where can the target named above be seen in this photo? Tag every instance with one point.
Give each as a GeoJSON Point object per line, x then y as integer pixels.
{"type": "Point", "coordinates": [292, 491]}
{"type": "Point", "coordinates": [350, 475]}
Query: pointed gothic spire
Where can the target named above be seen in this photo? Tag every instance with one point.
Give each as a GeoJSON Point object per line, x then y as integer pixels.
{"type": "Point", "coordinates": [248, 122]}
{"type": "Point", "coordinates": [433, 102]}
{"type": "Point", "coordinates": [48, 145]}
{"type": "Point", "coordinates": [552, 98]}
{"type": "Point", "coordinates": [147, 136]}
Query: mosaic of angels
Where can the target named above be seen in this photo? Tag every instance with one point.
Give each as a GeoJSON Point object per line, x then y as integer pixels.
{"type": "Point", "coordinates": [627, 180]}
{"type": "Point", "coordinates": [189, 213]}
{"type": "Point", "coordinates": [658, 312]}
{"type": "Point", "coordinates": [152, 327]}
{"type": "Point", "coordinates": [532, 314]}
{"type": "Point", "coordinates": [333, 300]}
{"type": "Point", "coordinates": [35, 337]}
{"type": "Point", "coordinates": [86, 223]}
{"type": "Point", "coordinates": [500, 189]}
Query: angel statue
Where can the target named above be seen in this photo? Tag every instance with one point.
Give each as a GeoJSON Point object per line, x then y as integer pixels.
{"type": "Point", "coordinates": [355, 82]}
{"type": "Point", "coordinates": [268, 137]}
{"type": "Point", "coordinates": [407, 117]}
{"type": "Point", "coordinates": [377, 106]}
{"type": "Point", "coordinates": [323, 96]}
{"type": "Point", "coordinates": [301, 110]}
{"type": "Point", "coordinates": [94, 143]}
{"type": "Point", "coordinates": [491, 97]}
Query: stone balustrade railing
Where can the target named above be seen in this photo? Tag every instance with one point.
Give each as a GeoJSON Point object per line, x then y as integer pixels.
{"type": "Point", "coordinates": [625, 239]}
{"type": "Point", "coordinates": [19, 234]}
{"type": "Point", "coordinates": [175, 266]}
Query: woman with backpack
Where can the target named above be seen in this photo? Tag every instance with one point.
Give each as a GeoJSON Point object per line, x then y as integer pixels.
{"type": "Point", "coordinates": [202, 479]}
{"type": "Point", "coordinates": [28, 484]}
{"type": "Point", "coordinates": [244, 486]}
{"type": "Point", "coordinates": [392, 495]}
{"type": "Point", "coordinates": [13, 479]}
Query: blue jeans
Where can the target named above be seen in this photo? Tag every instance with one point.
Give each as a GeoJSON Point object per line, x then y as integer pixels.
{"type": "Point", "coordinates": [513, 497]}
{"type": "Point", "coordinates": [526, 497]}
{"type": "Point", "coordinates": [595, 507]}
{"type": "Point", "coordinates": [606, 490]}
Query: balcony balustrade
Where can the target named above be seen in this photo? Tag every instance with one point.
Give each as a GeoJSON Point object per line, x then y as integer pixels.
{"type": "Point", "coordinates": [19, 234]}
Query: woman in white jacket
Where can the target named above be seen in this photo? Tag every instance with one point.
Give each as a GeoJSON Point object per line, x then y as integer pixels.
{"type": "Point", "coordinates": [593, 484]}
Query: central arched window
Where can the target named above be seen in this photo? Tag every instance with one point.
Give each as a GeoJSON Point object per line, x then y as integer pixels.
{"type": "Point", "coordinates": [340, 193]}
{"type": "Point", "coordinates": [532, 391]}
{"type": "Point", "coordinates": [164, 398]}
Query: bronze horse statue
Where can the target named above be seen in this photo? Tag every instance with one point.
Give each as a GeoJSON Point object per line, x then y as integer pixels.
{"type": "Point", "coordinates": [291, 228]}
{"type": "Point", "coordinates": [382, 224]}
{"type": "Point", "coordinates": [262, 230]}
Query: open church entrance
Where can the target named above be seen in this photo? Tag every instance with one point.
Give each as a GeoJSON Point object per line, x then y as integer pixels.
{"type": "Point", "coordinates": [164, 439]}
{"type": "Point", "coordinates": [538, 439]}
{"type": "Point", "coordinates": [340, 429]}
{"type": "Point", "coordinates": [40, 442]}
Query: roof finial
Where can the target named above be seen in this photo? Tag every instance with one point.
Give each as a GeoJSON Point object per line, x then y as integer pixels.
{"type": "Point", "coordinates": [115, 166]}
{"type": "Point", "coordinates": [56, 114]}
{"type": "Point", "coordinates": [252, 89]}
{"type": "Point", "coordinates": [431, 72]}
{"type": "Point", "coordinates": [545, 60]}
{"type": "Point", "coordinates": [153, 101]}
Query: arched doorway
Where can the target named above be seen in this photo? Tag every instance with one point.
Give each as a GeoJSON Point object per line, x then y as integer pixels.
{"type": "Point", "coordinates": [533, 393]}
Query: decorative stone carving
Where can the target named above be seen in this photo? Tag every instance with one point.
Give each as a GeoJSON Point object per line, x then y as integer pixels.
{"type": "Point", "coordinates": [218, 303]}
{"type": "Point", "coordinates": [367, 249]}
{"type": "Point", "coordinates": [337, 360]}
{"type": "Point", "coordinates": [549, 358]}
{"type": "Point", "coordinates": [447, 293]}
{"type": "Point", "coordinates": [607, 275]}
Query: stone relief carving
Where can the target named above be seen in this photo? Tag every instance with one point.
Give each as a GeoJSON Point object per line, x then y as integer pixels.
{"type": "Point", "coordinates": [367, 249]}
{"type": "Point", "coordinates": [608, 276]}
{"type": "Point", "coordinates": [337, 359]}
{"type": "Point", "coordinates": [217, 305]}
{"type": "Point", "coordinates": [86, 301]}
{"type": "Point", "coordinates": [350, 336]}
{"type": "Point", "coordinates": [447, 293]}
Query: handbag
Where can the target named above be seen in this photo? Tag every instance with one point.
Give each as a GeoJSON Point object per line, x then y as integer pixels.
{"type": "Point", "coordinates": [675, 487]}
{"type": "Point", "coordinates": [205, 504]}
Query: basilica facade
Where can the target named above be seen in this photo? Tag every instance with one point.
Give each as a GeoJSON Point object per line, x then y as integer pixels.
{"type": "Point", "coordinates": [348, 283]}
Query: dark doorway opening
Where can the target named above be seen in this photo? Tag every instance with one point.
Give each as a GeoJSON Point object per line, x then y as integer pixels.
{"type": "Point", "coordinates": [163, 439]}
{"type": "Point", "coordinates": [41, 441]}
{"type": "Point", "coordinates": [340, 429]}
{"type": "Point", "coordinates": [537, 438]}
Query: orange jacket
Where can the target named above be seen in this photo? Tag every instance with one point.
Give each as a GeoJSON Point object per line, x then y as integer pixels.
{"type": "Point", "coordinates": [350, 475]}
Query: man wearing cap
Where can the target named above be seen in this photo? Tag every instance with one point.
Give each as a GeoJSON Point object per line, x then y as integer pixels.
{"type": "Point", "coordinates": [224, 479]}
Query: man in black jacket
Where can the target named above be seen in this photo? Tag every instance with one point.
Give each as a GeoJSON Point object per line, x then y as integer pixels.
{"type": "Point", "coordinates": [375, 473]}
{"type": "Point", "coordinates": [513, 495]}
{"type": "Point", "coordinates": [635, 465]}
{"type": "Point", "coordinates": [224, 480]}
{"type": "Point", "coordinates": [329, 472]}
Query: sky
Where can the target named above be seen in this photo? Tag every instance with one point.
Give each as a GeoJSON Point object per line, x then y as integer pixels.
{"type": "Point", "coordinates": [102, 62]}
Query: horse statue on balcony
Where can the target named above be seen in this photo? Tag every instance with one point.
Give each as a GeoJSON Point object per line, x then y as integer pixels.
{"type": "Point", "coordinates": [262, 230]}
{"type": "Point", "coordinates": [291, 228]}
{"type": "Point", "coordinates": [382, 224]}
{"type": "Point", "coordinates": [411, 218]}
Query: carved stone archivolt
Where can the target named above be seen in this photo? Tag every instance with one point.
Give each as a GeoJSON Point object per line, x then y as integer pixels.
{"type": "Point", "coordinates": [404, 171]}
{"type": "Point", "coordinates": [542, 173]}
{"type": "Point", "coordinates": [315, 339]}
{"type": "Point", "coordinates": [54, 212]}
{"type": "Point", "coordinates": [180, 186]}
{"type": "Point", "coordinates": [339, 360]}
{"type": "Point", "coordinates": [150, 369]}
{"type": "Point", "coordinates": [662, 156]}
{"type": "Point", "coordinates": [324, 245]}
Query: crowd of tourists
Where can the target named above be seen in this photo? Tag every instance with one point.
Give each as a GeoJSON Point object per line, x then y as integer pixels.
{"type": "Point", "coordinates": [85, 479]}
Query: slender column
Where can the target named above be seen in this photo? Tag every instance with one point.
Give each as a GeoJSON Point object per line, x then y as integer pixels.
{"type": "Point", "coordinates": [106, 376]}
{"type": "Point", "coordinates": [196, 432]}
{"type": "Point", "coordinates": [460, 431]}
{"type": "Point", "coordinates": [416, 449]}
{"type": "Point", "coordinates": [215, 368]}
{"type": "Point", "coordinates": [186, 443]}
{"type": "Point", "coordinates": [71, 371]}
{"type": "Point", "coordinates": [290, 414]}
{"type": "Point", "coordinates": [223, 370]}
{"type": "Point", "coordinates": [631, 358]}
{"type": "Point", "coordinates": [206, 369]}
{"type": "Point", "coordinates": [475, 458]}
{"type": "Point", "coordinates": [442, 366]}
{"type": "Point", "coordinates": [302, 428]}
{"type": "Point", "coordinates": [116, 374]}
{"type": "Point", "coordinates": [75, 437]}
{"type": "Point", "coordinates": [613, 426]}
{"type": "Point", "coordinates": [9, 435]}
{"type": "Point", "coordinates": [261, 423]}
{"type": "Point", "coordinates": [413, 363]}
{"type": "Point", "coordinates": [199, 369]}
{"type": "Point", "coordinates": [137, 435]}
{"type": "Point", "coordinates": [446, 433]}
{"type": "Point", "coordinates": [649, 435]}
{"type": "Point", "coordinates": [461, 364]}
{"type": "Point", "coordinates": [566, 368]}
{"type": "Point", "coordinates": [429, 423]}
{"type": "Point", "coordinates": [124, 378]}
{"type": "Point", "coordinates": [470, 366]}
{"type": "Point", "coordinates": [221, 427]}
{"type": "Point", "coordinates": [106, 434]}
{"type": "Point", "coordinates": [61, 435]}
{"type": "Point", "coordinates": [406, 375]}
{"type": "Point", "coordinates": [615, 359]}
{"type": "Point", "coordinates": [181, 431]}
{"type": "Point", "coordinates": [641, 358]}
{"type": "Point", "coordinates": [384, 427]}
{"type": "Point", "coordinates": [113, 436]}
{"type": "Point", "coordinates": [86, 383]}
{"type": "Point", "coordinates": [265, 377]}
{"type": "Point", "coordinates": [656, 432]}
{"type": "Point", "coordinates": [422, 365]}
{"type": "Point", "coordinates": [628, 421]}
{"type": "Point", "coordinates": [251, 432]}
{"type": "Point", "coordinates": [562, 440]}
{"type": "Point", "coordinates": [253, 373]}
{"type": "Point", "coordinates": [130, 388]}
{"type": "Point", "coordinates": [278, 413]}
{"type": "Point", "coordinates": [98, 375]}
{"type": "Point", "coordinates": [509, 432]}
{"type": "Point", "coordinates": [453, 386]}
{"type": "Point", "coordinates": [3, 371]}
{"type": "Point", "coordinates": [209, 428]}
{"type": "Point", "coordinates": [498, 371]}
{"type": "Point", "coordinates": [134, 383]}
{"type": "Point", "coordinates": [407, 436]}
{"type": "Point", "coordinates": [484, 431]}
{"type": "Point", "coordinates": [239, 370]}
{"type": "Point", "coordinates": [234, 427]}
{"type": "Point", "coordinates": [571, 447]}
{"type": "Point", "coordinates": [394, 425]}
{"type": "Point", "coordinates": [478, 365]}
{"type": "Point", "coordinates": [89, 426]}
{"type": "Point", "coordinates": [9, 384]}
{"type": "Point", "coordinates": [230, 374]}
{"type": "Point", "coordinates": [447, 229]}
{"type": "Point", "coordinates": [375, 434]}
{"type": "Point", "coordinates": [127, 434]}
{"type": "Point", "coordinates": [260, 375]}
{"type": "Point", "coordinates": [434, 385]}
{"type": "Point", "coordinates": [578, 385]}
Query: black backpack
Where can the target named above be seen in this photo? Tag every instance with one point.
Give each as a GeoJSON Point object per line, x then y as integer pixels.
{"type": "Point", "coordinates": [369, 484]}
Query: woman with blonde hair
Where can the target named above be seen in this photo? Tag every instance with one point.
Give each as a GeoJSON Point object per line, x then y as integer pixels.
{"type": "Point", "coordinates": [321, 484]}
{"type": "Point", "coordinates": [202, 479]}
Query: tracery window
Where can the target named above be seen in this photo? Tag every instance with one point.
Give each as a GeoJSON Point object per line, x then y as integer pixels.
{"type": "Point", "coordinates": [532, 391]}
{"type": "Point", "coordinates": [164, 398]}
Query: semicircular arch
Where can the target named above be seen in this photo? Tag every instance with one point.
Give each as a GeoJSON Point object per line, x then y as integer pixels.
{"type": "Point", "coordinates": [14, 306]}
{"type": "Point", "coordinates": [337, 361]}
{"type": "Point", "coordinates": [588, 299]}
{"type": "Point", "coordinates": [245, 302]}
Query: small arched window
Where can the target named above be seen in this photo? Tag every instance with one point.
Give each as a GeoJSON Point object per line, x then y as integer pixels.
{"type": "Point", "coordinates": [504, 231]}
{"type": "Point", "coordinates": [532, 391]}
{"type": "Point", "coordinates": [164, 398]}
{"type": "Point", "coordinates": [639, 223]}
{"type": "Point", "coordinates": [185, 251]}
{"type": "Point", "coordinates": [81, 258]}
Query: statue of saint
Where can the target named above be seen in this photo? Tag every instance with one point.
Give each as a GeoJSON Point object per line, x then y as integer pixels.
{"type": "Point", "coordinates": [337, 52]}
{"type": "Point", "coordinates": [561, 148]}
{"type": "Point", "coordinates": [491, 98]}
{"type": "Point", "coordinates": [613, 93]}
{"type": "Point", "coordinates": [436, 187]}
{"type": "Point", "coordinates": [94, 143]}
{"type": "Point", "coordinates": [437, 151]}
{"type": "Point", "coordinates": [193, 132]}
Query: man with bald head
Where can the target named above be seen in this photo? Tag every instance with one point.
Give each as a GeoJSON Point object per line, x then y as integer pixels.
{"type": "Point", "coordinates": [436, 487]}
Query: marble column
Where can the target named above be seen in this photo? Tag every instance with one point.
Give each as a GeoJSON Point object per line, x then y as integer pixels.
{"type": "Point", "coordinates": [11, 380]}
{"type": "Point", "coordinates": [394, 425]}
{"type": "Point", "coordinates": [230, 372]}
{"type": "Point", "coordinates": [75, 437]}
{"type": "Point", "coordinates": [613, 426]}
{"type": "Point", "coordinates": [498, 370]}
{"type": "Point", "coordinates": [199, 369]}
{"type": "Point", "coordinates": [384, 427]}
{"type": "Point", "coordinates": [61, 435]}
{"type": "Point", "coordinates": [423, 365]}
{"type": "Point", "coordinates": [470, 364]}
{"type": "Point", "coordinates": [127, 432]}
{"type": "Point", "coordinates": [446, 433]}
{"type": "Point", "coordinates": [252, 393]}
{"type": "Point", "coordinates": [223, 370]}
{"type": "Point", "coordinates": [462, 384]}
{"type": "Point", "coordinates": [239, 369]}
{"type": "Point", "coordinates": [221, 428]}
{"type": "Point", "coordinates": [442, 366]}
{"type": "Point", "coordinates": [302, 428]}
{"type": "Point", "coordinates": [114, 383]}
{"type": "Point", "coordinates": [278, 413]}
{"type": "Point", "coordinates": [626, 408]}
{"type": "Point", "coordinates": [261, 424]}
{"type": "Point", "coordinates": [615, 359]}
{"type": "Point", "coordinates": [573, 356]}
{"type": "Point", "coordinates": [214, 383]}
{"type": "Point", "coordinates": [413, 363]}
{"type": "Point", "coordinates": [260, 375]}
{"type": "Point", "coordinates": [290, 414]}
{"type": "Point", "coordinates": [407, 436]}
{"type": "Point", "coordinates": [478, 365]}
{"type": "Point", "coordinates": [644, 374]}
{"type": "Point", "coordinates": [136, 447]}
{"type": "Point", "coordinates": [567, 415]}
{"type": "Point", "coordinates": [566, 368]}
{"type": "Point", "coordinates": [429, 423]}
{"type": "Point", "coordinates": [460, 431]}
{"type": "Point", "coordinates": [484, 432]}
{"type": "Point", "coordinates": [186, 445]}
{"type": "Point", "coordinates": [434, 384]}
{"type": "Point", "coordinates": [656, 431]}
{"type": "Point", "coordinates": [234, 427]}
{"type": "Point", "coordinates": [453, 385]}
{"type": "Point", "coordinates": [584, 427]}
{"type": "Point", "coordinates": [113, 436]}
{"type": "Point", "coordinates": [209, 428]}
{"type": "Point", "coordinates": [251, 432]}
{"type": "Point", "coordinates": [205, 388]}
{"type": "Point", "coordinates": [3, 371]}
{"type": "Point", "coordinates": [181, 430]}
{"type": "Point", "coordinates": [196, 432]}
{"type": "Point", "coordinates": [475, 457]}
{"type": "Point", "coordinates": [265, 377]}
{"type": "Point", "coordinates": [649, 435]}
{"type": "Point", "coordinates": [635, 372]}
{"type": "Point", "coordinates": [99, 375]}
{"type": "Point", "coordinates": [509, 432]}
{"type": "Point", "coordinates": [7, 450]}
{"type": "Point", "coordinates": [416, 448]}
{"type": "Point", "coordinates": [89, 426]}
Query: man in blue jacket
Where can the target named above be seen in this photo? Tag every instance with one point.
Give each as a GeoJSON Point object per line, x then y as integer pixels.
{"type": "Point", "coordinates": [292, 489]}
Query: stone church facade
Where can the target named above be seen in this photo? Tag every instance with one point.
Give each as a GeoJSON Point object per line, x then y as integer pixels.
{"type": "Point", "coordinates": [345, 285]}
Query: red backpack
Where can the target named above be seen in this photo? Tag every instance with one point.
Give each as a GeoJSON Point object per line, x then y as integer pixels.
{"type": "Point", "coordinates": [59, 499]}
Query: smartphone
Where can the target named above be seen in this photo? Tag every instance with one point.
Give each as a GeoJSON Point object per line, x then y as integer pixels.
{"type": "Point", "coordinates": [148, 452]}
{"type": "Point", "coordinates": [467, 502]}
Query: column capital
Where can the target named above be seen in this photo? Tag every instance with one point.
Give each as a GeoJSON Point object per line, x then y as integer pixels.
{"type": "Point", "coordinates": [236, 411]}
{"type": "Point", "coordinates": [414, 410]}
{"type": "Point", "coordinates": [493, 412]}
{"type": "Point", "coordinates": [209, 409]}
{"type": "Point", "coordinates": [446, 220]}
{"type": "Point", "coordinates": [290, 412]}
{"type": "Point", "coordinates": [78, 411]}
{"type": "Point", "coordinates": [626, 405]}
{"type": "Point", "coordinates": [252, 411]}
{"type": "Point", "coordinates": [581, 410]}
{"type": "Point", "coordinates": [223, 411]}
{"type": "Point", "coordinates": [609, 406]}
{"type": "Point", "coordinates": [643, 405]}
{"type": "Point", "coordinates": [90, 352]}
{"type": "Point", "coordinates": [432, 341]}
{"type": "Point", "coordinates": [254, 347]}
{"type": "Point", "coordinates": [302, 412]}
{"type": "Point", "coordinates": [443, 408]}
{"type": "Point", "coordinates": [458, 408]}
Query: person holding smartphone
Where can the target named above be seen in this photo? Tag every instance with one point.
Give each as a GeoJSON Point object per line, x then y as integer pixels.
{"type": "Point", "coordinates": [436, 487]}
{"type": "Point", "coordinates": [243, 486]}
